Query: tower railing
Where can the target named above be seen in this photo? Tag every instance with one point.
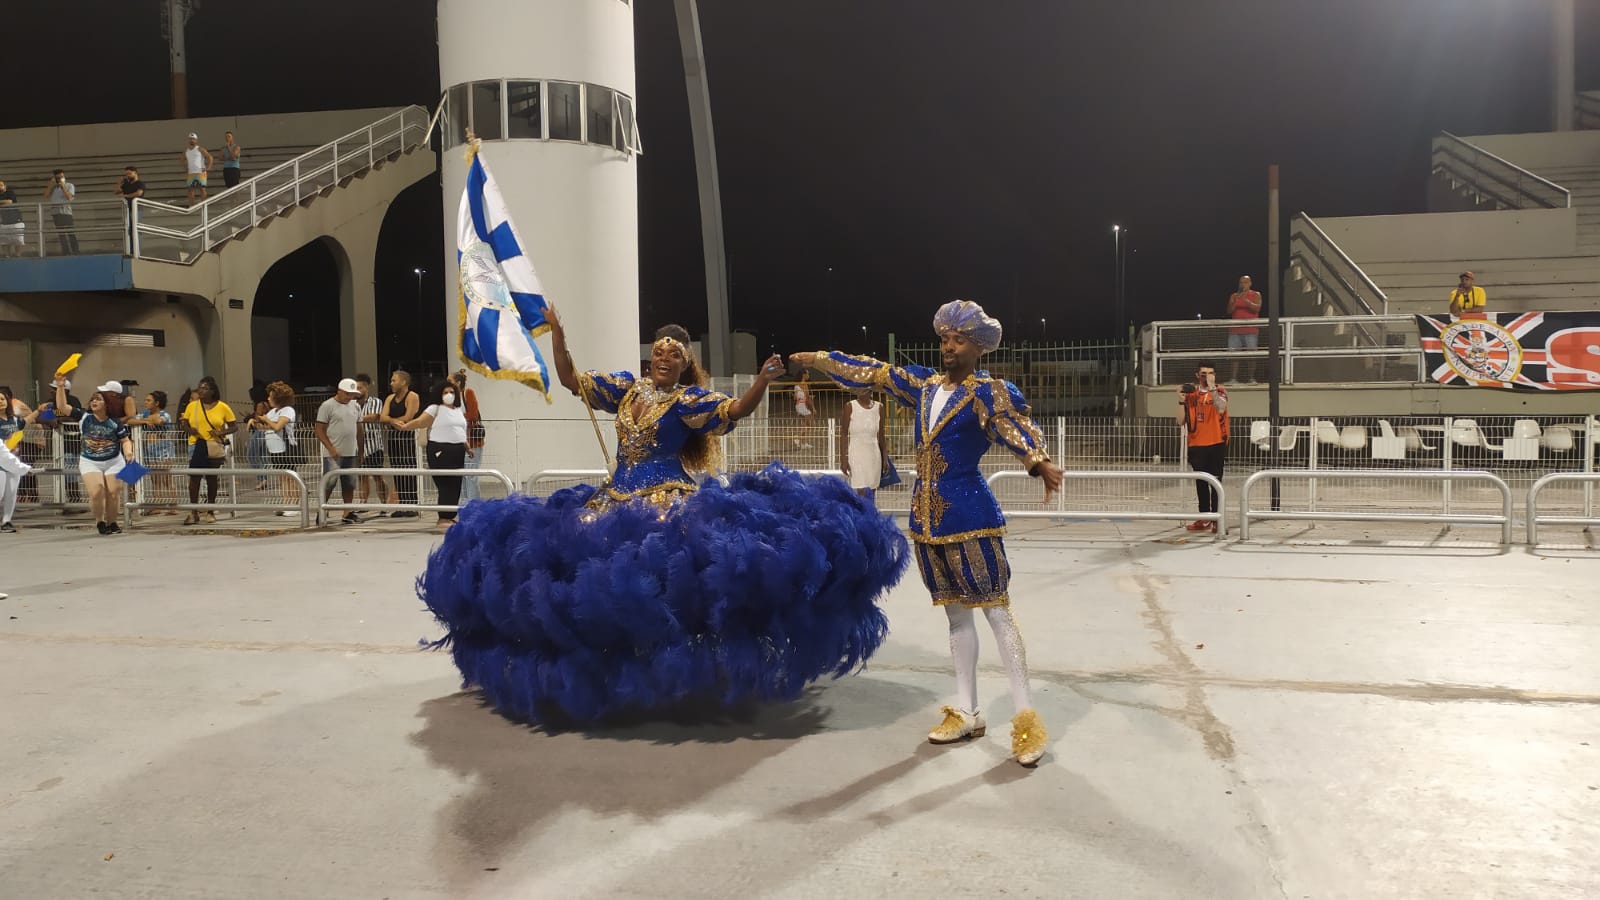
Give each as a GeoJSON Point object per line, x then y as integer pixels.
{"type": "Point", "coordinates": [1494, 179]}
{"type": "Point", "coordinates": [177, 234]}
{"type": "Point", "coordinates": [1329, 270]}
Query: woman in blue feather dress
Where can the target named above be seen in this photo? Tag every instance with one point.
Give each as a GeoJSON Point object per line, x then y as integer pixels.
{"type": "Point", "coordinates": [651, 589]}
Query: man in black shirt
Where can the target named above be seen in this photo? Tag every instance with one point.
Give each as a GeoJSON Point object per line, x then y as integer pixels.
{"type": "Point", "coordinates": [10, 223]}
{"type": "Point", "coordinates": [130, 188]}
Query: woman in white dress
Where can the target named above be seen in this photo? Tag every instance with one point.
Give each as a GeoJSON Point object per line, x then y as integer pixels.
{"type": "Point", "coordinates": [863, 445]}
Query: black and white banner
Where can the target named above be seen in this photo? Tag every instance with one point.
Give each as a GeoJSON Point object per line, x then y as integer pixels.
{"type": "Point", "coordinates": [1530, 351]}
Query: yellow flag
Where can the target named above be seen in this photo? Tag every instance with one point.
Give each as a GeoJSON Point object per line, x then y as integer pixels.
{"type": "Point", "coordinates": [69, 365]}
{"type": "Point", "coordinates": [14, 440]}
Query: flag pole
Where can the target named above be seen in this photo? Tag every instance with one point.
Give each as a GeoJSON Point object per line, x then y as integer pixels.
{"type": "Point", "coordinates": [584, 395]}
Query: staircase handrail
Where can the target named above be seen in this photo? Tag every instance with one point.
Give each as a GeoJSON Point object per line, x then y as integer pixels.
{"type": "Point", "coordinates": [302, 169]}
{"type": "Point", "coordinates": [1503, 172]}
{"type": "Point", "coordinates": [1316, 248]}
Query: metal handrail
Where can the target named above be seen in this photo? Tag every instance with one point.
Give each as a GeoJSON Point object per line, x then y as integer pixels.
{"type": "Point", "coordinates": [304, 505]}
{"type": "Point", "coordinates": [304, 169]}
{"type": "Point", "coordinates": [1535, 520]}
{"type": "Point", "coordinates": [1369, 345]}
{"type": "Point", "coordinates": [1061, 512]}
{"type": "Point", "coordinates": [38, 222]}
{"type": "Point", "coordinates": [1564, 195]}
{"type": "Point", "coordinates": [329, 477]}
{"type": "Point", "coordinates": [1343, 257]}
{"type": "Point", "coordinates": [1504, 520]}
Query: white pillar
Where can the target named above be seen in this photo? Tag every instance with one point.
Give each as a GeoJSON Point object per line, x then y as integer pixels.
{"type": "Point", "coordinates": [574, 204]}
{"type": "Point", "coordinates": [1563, 62]}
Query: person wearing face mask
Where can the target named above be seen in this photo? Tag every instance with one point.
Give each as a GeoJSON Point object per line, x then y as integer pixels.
{"type": "Point", "coordinates": [446, 423]}
{"type": "Point", "coordinates": [662, 584]}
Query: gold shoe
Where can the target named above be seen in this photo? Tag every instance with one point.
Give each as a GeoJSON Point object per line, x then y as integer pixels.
{"type": "Point", "coordinates": [1028, 737]}
{"type": "Point", "coordinates": [957, 726]}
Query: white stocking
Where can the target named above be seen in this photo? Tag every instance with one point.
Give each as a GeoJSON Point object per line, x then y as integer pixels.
{"type": "Point", "coordinates": [964, 653]}
{"type": "Point", "coordinates": [8, 495]}
{"type": "Point", "coordinates": [1012, 652]}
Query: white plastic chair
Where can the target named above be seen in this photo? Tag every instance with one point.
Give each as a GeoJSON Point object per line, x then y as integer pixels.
{"type": "Point", "coordinates": [1261, 434]}
{"type": "Point", "coordinates": [1466, 433]}
{"type": "Point", "coordinates": [1558, 439]}
{"type": "Point", "coordinates": [1353, 437]}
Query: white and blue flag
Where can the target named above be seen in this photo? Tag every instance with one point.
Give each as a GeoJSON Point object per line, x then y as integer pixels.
{"type": "Point", "coordinates": [502, 303]}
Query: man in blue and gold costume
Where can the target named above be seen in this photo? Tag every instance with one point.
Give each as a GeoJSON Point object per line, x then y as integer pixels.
{"type": "Point", "coordinates": [956, 523]}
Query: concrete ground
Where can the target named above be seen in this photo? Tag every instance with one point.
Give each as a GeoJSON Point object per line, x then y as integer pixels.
{"type": "Point", "coordinates": [1320, 713]}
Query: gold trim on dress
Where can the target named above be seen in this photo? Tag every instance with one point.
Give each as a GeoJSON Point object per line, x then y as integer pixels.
{"type": "Point", "coordinates": [958, 538]}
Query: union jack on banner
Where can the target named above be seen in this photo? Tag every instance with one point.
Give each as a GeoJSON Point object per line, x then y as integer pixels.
{"type": "Point", "coordinates": [1531, 351]}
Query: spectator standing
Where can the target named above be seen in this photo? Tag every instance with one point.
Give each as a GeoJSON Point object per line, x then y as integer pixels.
{"type": "Point", "coordinates": [255, 448]}
{"type": "Point", "coordinates": [1468, 301]}
{"type": "Point", "coordinates": [398, 410]}
{"type": "Point", "coordinates": [372, 442]}
{"type": "Point", "coordinates": [196, 163]}
{"type": "Point", "coordinates": [12, 421]}
{"type": "Point", "coordinates": [476, 434]}
{"type": "Point", "coordinates": [107, 447]}
{"type": "Point", "coordinates": [446, 424]}
{"type": "Point", "coordinates": [230, 154]}
{"type": "Point", "coordinates": [60, 192]}
{"type": "Point", "coordinates": [159, 450]}
{"type": "Point", "coordinates": [804, 409]}
{"type": "Point", "coordinates": [340, 434]}
{"type": "Point", "coordinates": [11, 226]}
{"type": "Point", "coordinates": [130, 188]}
{"type": "Point", "coordinates": [863, 444]}
{"type": "Point", "coordinates": [1244, 304]}
{"type": "Point", "coordinates": [12, 407]}
{"type": "Point", "coordinates": [66, 420]}
{"type": "Point", "coordinates": [1203, 413]}
{"type": "Point", "coordinates": [208, 422]}
{"type": "Point", "coordinates": [278, 426]}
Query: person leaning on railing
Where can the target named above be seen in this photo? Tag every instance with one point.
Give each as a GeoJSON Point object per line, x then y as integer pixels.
{"type": "Point", "coordinates": [1468, 301]}
{"type": "Point", "coordinates": [159, 450]}
{"type": "Point", "coordinates": [11, 226]}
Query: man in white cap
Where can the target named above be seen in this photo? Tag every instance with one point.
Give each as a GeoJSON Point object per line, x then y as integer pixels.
{"type": "Point", "coordinates": [196, 163]}
{"type": "Point", "coordinates": [343, 440]}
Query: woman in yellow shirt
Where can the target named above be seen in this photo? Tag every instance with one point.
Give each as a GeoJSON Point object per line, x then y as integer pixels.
{"type": "Point", "coordinates": [207, 421]}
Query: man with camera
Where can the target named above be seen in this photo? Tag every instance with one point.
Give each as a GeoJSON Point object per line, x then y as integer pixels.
{"type": "Point", "coordinates": [59, 191]}
{"type": "Point", "coordinates": [1203, 413]}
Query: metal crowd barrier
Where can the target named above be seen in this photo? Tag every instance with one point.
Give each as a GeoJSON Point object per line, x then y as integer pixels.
{"type": "Point", "coordinates": [1061, 512]}
{"type": "Point", "coordinates": [304, 505]}
{"type": "Point", "coordinates": [1535, 520]}
{"type": "Point", "coordinates": [1504, 519]}
{"type": "Point", "coordinates": [330, 477]}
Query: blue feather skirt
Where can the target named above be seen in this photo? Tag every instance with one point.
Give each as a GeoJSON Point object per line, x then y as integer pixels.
{"type": "Point", "coordinates": [748, 592]}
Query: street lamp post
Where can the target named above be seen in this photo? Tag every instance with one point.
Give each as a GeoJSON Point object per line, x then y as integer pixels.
{"type": "Point", "coordinates": [418, 342]}
{"type": "Point", "coordinates": [864, 347]}
{"type": "Point", "coordinates": [1116, 273]}
{"type": "Point", "coordinates": [1043, 333]}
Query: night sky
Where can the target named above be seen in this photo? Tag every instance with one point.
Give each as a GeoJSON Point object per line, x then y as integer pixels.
{"type": "Point", "coordinates": [922, 151]}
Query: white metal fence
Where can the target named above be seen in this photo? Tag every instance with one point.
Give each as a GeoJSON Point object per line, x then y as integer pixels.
{"type": "Point", "coordinates": [1520, 451]}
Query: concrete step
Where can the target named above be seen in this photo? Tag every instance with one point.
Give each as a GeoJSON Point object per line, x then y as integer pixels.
{"type": "Point", "coordinates": [1450, 268]}
{"type": "Point", "coordinates": [1403, 281]}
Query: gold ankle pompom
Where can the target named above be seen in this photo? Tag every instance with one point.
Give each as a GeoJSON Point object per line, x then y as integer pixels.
{"type": "Point", "coordinates": [1028, 737]}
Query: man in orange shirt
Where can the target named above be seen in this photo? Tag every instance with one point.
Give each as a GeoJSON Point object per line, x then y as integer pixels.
{"type": "Point", "coordinates": [1203, 413]}
{"type": "Point", "coordinates": [1244, 304]}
